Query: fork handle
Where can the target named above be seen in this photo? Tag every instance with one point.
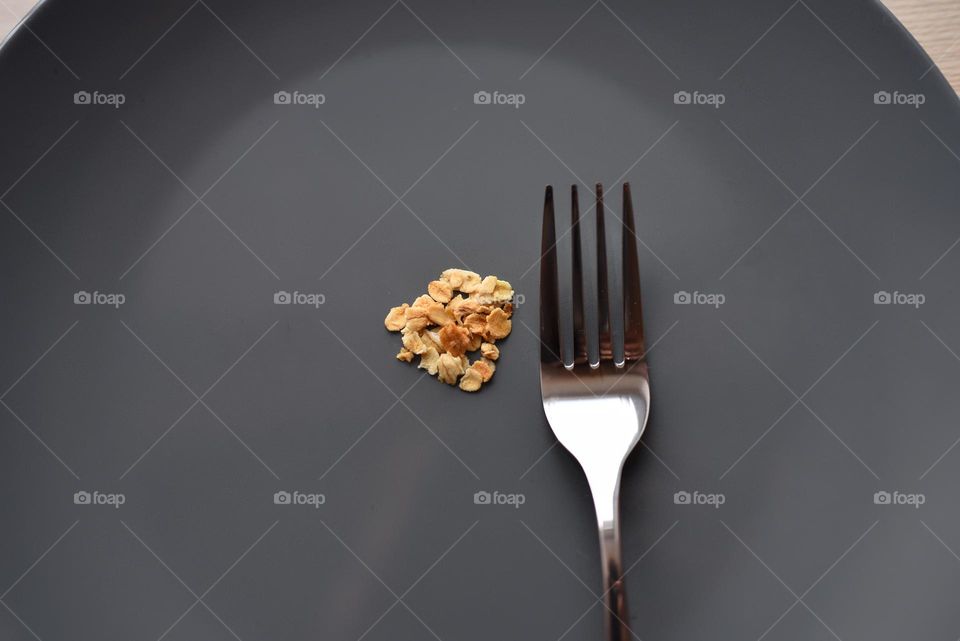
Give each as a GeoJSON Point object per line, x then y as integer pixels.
{"type": "Point", "coordinates": [615, 616]}
{"type": "Point", "coordinates": [606, 498]}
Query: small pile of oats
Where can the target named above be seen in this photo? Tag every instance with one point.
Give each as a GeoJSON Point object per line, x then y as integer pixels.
{"type": "Point", "coordinates": [442, 328]}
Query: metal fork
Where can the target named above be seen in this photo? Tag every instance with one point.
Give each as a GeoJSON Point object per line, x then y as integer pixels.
{"type": "Point", "coordinates": [595, 383]}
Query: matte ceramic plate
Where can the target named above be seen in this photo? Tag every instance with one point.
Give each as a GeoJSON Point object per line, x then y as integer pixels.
{"type": "Point", "coordinates": [170, 170]}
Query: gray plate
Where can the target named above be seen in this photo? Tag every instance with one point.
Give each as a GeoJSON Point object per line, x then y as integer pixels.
{"type": "Point", "coordinates": [197, 399]}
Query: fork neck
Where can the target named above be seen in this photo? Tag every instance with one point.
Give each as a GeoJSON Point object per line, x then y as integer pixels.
{"type": "Point", "coordinates": [605, 488]}
{"type": "Point", "coordinates": [606, 501]}
{"type": "Point", "coordinates": [604, 481]}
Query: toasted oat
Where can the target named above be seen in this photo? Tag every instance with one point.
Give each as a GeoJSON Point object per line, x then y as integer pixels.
{"type": "Point", "coordinates": [429, 361]}
{"type": "Point", "coordinates": [413, 312]}
{"type": "Point", "coordinates": [454, 339]}
{"type": "Point", "coordinates": [431, 339]}
{"type": "Point", "coordinates": [471, 283]}
{"type": "Point", "coordinates": [396, 319]}
{"type": "Point", "coordinates": [474, 305]}
{"type": "Point", "coordinates": [415, 325]}
{"type": "Point", "coordinates": [485, 368]}
{"type": "Point", "coordinates": [475, 342]}
{"type": "Point", "coordinates": [414, 342]}
{"type": "Point", "coordinates": [460, 314]}
{"type": "Point", "coordinates": [455, 307]}
{"type": "Point", "coordinates": [487, 285]}
{"type": "Point", "coordinates": [440, 291]}
{"type": "Point", "coordinates": [475, 323]}
{"type": "Point", "coordinates": [503, 292]}
{"type": "Point", "coordinates": [498, 324]}
{"type": "Point", "coordinates": [450, 368]}
{"type": "Point", "coordinates": [456, 277]}
{"type": "Point", "coordinates": [438, 314]}
{"type": "Point", "coordinates": [423, 301]}
{"type": "Point", "coordinates": [471, 381]}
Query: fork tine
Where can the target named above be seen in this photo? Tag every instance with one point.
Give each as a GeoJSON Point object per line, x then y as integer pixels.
{"type": "Point", "coordinates": [603, 298]}
{"type": "Point", "coordinates": [634, 348]}
{"type": "Point", "coordinates": [549, 296]}
{"type": "Point", "coordinates": [579, 319]}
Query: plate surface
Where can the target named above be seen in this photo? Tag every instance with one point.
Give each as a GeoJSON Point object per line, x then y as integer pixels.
{"type": "Point", "coordinates": [146, 156]}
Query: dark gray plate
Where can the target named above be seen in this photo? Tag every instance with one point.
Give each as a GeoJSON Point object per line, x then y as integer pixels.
{"type": "Point", "coordinates": [198, 199]}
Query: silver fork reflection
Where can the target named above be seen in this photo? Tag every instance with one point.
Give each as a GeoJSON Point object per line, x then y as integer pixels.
{"type": "Point", "coordinates": [595, 384]}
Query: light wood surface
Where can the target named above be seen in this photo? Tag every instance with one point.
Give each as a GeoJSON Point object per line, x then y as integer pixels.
{"type": "Point", "coordinates": [934, 23]}
{"type": "Point", "coordinates": [10, 13]}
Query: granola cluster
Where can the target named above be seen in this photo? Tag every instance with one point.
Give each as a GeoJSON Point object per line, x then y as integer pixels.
{"type": "Point", "coordinates": [460, 314]}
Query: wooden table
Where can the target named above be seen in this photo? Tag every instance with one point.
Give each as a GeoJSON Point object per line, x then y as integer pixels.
{"type": "Point", "coordinates": [10, 13]}
{"type": "Point", "coordinates": [935, 23]}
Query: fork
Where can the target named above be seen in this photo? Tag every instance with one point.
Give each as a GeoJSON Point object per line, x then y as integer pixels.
{"type": "Point", "coordinates": [594, 380]}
